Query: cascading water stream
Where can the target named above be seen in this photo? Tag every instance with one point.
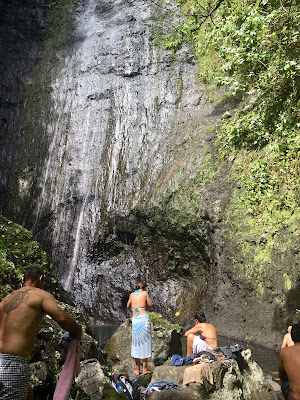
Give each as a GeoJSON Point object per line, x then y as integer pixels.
{"type": "Point", "coordinates": [116, 107]}
{"type": "Point", "coordinates": [73, 264]}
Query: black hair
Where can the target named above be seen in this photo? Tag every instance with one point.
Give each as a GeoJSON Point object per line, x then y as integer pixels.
{"type": "Point", "coordinates": [141, 285]}
{"type": "Point", "coordinates": [32, 274]}
{"type": "Point", "coordinates": [200, 316]}
{"type": "Point", "coordinates": [295, 333]}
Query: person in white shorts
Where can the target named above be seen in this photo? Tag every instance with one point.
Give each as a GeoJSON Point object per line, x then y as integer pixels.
{"type": "Point", "coordinates": [202, 336]}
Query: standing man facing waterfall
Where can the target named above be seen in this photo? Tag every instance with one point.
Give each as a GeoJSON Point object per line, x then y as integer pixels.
{"type": "Point", "coordinates": [141, 345]}
{"type": "Point", "coordinates": [21, 313]}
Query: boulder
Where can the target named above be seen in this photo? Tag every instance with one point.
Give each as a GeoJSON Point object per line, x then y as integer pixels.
{"type": "Point", "coordinates": [166, 340]}
{"type": "Point", "coordinates": [92, 379]}
{"type": "Point", "coordinates": [38, 374]}
{"type": "Point", "coordinates": [240, 379]}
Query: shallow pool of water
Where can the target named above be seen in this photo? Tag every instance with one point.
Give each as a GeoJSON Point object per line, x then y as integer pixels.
{"type": "Point", "coordinates": [102, 333]}
{"type": "Point", "coordinates": [267, 359]}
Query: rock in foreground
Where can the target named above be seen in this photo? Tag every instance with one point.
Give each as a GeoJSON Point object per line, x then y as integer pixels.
{"type": "Point", "coordinates": [232, 380]}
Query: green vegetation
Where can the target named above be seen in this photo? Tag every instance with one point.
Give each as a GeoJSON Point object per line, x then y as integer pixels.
{"type": "Point", "coordinates": [252, 48]}
{"type": "Point", "coordinates": [18, 251]}
{"type": "Point", "coordinates": [158, 320]}
{"type": "Point", "coordinates": [109, 393]}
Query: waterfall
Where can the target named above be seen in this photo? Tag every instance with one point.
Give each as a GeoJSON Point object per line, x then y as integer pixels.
{"type": "Point", "coordinates": [118, 104]}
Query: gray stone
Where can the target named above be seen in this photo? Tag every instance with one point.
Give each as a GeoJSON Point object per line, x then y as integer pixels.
{"type": "Point", "coordinates": [38, 374]}
{"type": "Point", "coordinates": [169, 372]}
{"type": "Point", "coordinates": [92, 379]}
{"type": "Point", "coordinates": [240, 379]}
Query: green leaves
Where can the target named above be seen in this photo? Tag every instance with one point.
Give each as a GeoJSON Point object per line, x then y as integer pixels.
{"type": "Point", "coordinates": [252, 48]}
{"type": "Point", "coordinates": [18, 250]}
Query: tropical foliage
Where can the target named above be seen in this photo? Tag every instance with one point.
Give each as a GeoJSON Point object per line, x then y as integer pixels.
{"type": "Point", "coordinates": [18, 251]}
{"type": "Point", "coordinates": [252, 49]}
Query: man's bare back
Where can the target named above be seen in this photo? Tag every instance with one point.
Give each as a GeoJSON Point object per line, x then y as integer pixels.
{"type": "Point", "coordinates": [289, 363]}
{"type": "Point", "coordinates": [20, 316]}
{"type": "Point", "coordinates": [21, 313]}
{"type": "Point", "coordinates": [207, 330]}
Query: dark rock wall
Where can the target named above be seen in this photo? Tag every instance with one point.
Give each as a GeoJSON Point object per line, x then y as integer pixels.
{"type": "Point", "coordinates": [22, 26]}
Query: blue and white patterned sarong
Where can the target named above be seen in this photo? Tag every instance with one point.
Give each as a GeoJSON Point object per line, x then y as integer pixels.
{"type": "Point", "coordinates": [14, 377]}
{"type": "Point", "coordinates": [141, 337]}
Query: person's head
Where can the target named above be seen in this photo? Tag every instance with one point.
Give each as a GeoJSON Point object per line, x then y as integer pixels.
{"type": "Point", "coordinates": [295, 333]}
{"type": "Point", "coordinates": [141, 285]}
{"type": "Point", "coordinates": [34, 275]}
{"type": "Point", "coordinates": [200, 317]}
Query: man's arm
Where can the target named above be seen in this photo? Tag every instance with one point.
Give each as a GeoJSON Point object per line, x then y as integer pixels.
{"type": "Point", "coordinates": [68, 323]}
{"type": "Point", "coordinates": [282, 374]}
{"type": "Point", "coordinates": [194, 330]}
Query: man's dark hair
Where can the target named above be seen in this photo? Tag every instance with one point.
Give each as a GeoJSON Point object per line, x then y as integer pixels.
{"type": "Point", "coordinates": [141, 285]}
{"type": "Point", "coordinates": [200, 316]}
{"type": "Point", "coordinates": [295, 333]}
{"type": "Point", "coordinates": [32, 274]}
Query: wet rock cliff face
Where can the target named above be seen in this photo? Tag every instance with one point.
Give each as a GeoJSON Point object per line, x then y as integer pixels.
{"type": "Point", "coordinates": [22, 25]}
{"type": "Point", "coordinates": [111, 162]}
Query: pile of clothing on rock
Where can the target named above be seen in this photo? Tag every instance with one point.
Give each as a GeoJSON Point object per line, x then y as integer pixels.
{"type": "Point", "coordinates": [199, 364]}
{"type": "Point", "coordinates": [198, 368]}
{"type": "Point", "coordinates": [158, 386]}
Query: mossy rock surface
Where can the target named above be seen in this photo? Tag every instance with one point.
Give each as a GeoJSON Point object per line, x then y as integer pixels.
{"type": "Point", "coordinates": [110, 394]}
{"type": "Point", "coordinates": [159, 321]}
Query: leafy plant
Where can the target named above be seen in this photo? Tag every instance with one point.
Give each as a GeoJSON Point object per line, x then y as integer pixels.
{"type": "Point", "coordinates": [18, 251]}
{"type": "Point", "coordinates": [251, 48]}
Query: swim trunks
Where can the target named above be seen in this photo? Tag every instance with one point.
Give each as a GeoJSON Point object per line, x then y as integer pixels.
{"type": "Point", "coordinates": [290, 397]}
{"type": "Point", "coordinates": [199, 345]}
{"type": "Point", "coordinates": [141, 337]}
{"type": "Point", "coordinates": [14, 377]}
{"type": "Point", "coordinates": [285, 388]}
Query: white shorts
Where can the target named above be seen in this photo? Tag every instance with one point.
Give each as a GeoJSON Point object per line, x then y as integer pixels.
{"type": "Point", "coordinates": [200, 345]}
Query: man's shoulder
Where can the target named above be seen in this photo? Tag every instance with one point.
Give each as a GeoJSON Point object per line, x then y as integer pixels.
{"type": "Point", "coordinates": [284, 352]}
{"type": "Point", "coordinates": [41, 293]}
{"type": "Point", "coordinates": [44, 293]}
{"type": "Point", "coordinates": [202, 325]}
{"type": "Point", "coordinates": [205, 324]}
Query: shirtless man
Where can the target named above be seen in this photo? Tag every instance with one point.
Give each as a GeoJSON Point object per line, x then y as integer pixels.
{"type": "Point", "coordinates": [287, 340]}
{"type": "Point", "coordinates": [206, 340]}
{"type": "Point", "coordinates": [289, 366]}
{"type": "Point", "coordinates": [141, 345]}
{"type": "Point", "coordinates": [21, 313]}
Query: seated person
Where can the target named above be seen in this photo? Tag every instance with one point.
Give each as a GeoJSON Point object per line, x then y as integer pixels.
{"type": "Point", "coordinates": [207, 338]}
{"type": "Point", "coordinates": [289, 366]}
